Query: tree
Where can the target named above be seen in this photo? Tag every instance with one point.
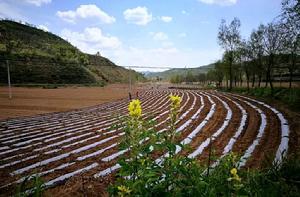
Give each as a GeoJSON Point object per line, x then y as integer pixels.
{"type": "Point", "coordinates": [290, 19]}
{"type": "Point", "coordinates": [176, 79]}
{"type": "Point", "coordinates": [237, 69]}
{"type": "Point", "coordinates": [219, 73]}
{"type": "Point", "coordinates": [211, 75]}
{"type": "Point", "coordinates": [256, 51]}
{"type": "Point", "coordinates": [10, 44]}
{"type": "Point", "coordinates": [272, 40]}
{"type": "Point", "coordinates": [201, 78]}
{"type": "Point", "coordinates": [229, 38]}
{"type": "Point", "coordinates": [246, 58]}
{"type": "Point", "coordinates": [225, 67]}
{"type": "Point", "coordinates": [83, 59]}
{"type": "Point", "coordinates": [189, 76]}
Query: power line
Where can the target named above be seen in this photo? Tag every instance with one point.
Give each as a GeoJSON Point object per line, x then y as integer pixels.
{"type": "Point", "coordinates": [158, 67]}
{"type": "Point", "coordinates": [8, 79]}
{"type": "Point", "coordinates": [76, 63]}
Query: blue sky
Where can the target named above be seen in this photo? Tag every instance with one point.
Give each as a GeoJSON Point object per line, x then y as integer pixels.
{"type": "Point", "coordinates": [156, 33]}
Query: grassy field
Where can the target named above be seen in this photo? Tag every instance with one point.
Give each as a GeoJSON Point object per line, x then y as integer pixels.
{"type": "Point", "coordinates": [32, 101]}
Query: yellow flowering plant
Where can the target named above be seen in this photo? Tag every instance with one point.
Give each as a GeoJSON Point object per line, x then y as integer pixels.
{"type": "Point", "coordinates": [123, 191]}
{"type": "Point", "coordinates": [175, 101]}
{"type": "Point", "coordinates": [233, 171]}
{"type": "Point", "coordinates": [234, 175]}
{"type": "Point", "coordinates": [234, 181]}
{"type": "Point", "coordinates": [135, 109]}
{"type": "Point", "coordinates": [137, 164]}
{"type": "Point", "coordinates": [174, 111]}
{"type": "Point", "coordinates": [141, 175]}
{"type": "Point", "coordinates": [145, 176]}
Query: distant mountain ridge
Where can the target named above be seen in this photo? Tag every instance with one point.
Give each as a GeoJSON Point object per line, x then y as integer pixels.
{"type": "Point", "coordinates": [166, 75]}
{"type": "Point", "coordinates": [37, 56]}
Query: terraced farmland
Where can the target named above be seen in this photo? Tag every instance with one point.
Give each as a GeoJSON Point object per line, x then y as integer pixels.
{"type": "Point", "coordinates": [59, 146]}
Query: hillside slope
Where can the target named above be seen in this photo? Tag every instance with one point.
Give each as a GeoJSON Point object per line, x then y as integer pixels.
{"type": "Point", "coordinates": [36, 56]}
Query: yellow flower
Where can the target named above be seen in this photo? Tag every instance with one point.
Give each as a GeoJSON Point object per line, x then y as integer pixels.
{"type": "Point", "coordinates": [134, 108]}
{"type": "Point", "coordinates": [175, 101]}
{"type": "Point", "coordinates": [233, 171]}
{"type": "Point", "coordinates": [124, 190]}
{"type": "Point", "coordinates": [235, 176]}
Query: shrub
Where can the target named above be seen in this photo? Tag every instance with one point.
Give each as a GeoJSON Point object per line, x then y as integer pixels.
{"type": "Point", "coordinates": [37, 187]}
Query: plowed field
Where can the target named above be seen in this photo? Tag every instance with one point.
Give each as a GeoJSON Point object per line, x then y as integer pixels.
{"type": "Point", "coordinates": [80, 148]}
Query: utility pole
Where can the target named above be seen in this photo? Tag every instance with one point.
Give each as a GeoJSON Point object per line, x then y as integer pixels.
{"type": "Point", "coordinates": [8, 79]}
{"type": "Point", "coordinates": [186, 78]}
{"type": "Point", "coordinates": [129, 79]}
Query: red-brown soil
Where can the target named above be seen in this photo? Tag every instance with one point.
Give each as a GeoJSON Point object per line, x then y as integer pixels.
{"type": "Point", "coordinates": [28, 142]}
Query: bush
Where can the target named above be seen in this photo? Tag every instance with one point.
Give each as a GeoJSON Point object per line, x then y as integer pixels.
{"type": "Point", "coordinates": [290, 97]}
{"type": "Point", "coordinates": [37, 187]}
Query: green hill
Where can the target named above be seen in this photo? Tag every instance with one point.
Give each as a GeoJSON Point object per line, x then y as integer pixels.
{"type": "Point", "coordinates": [166, 75]}
{"type": "Point", "coordinates": [36, 56]}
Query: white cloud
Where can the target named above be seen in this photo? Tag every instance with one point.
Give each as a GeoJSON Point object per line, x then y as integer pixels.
{"type": "Point", "coordinates": [163, 57]}
{"type": "Point", "coordinates": [38, 2]}
{"type": "Point", "coordinates": [91, 40]}
{"type": "Point", "coordinates": [166, 19]}
{"type": "Point", "coordinates": [184, 12]}
{"type": "Point", "coordinates": [182, 35]}
{"type": "Point", "coordinates": [143, 57]}
{"type": "Point", "coordinates": [11, 12]}
{"type": "Point", "coordinates": [68, 16]}
{"type": "Point", "coordinates": [219, 2]}
{"type": "Point", "coordinates": [160, 36]}
{"type": "Point", "coordinates": [167, 44]}
{"type": "Point", "coordinates": [86, 11]}
{"type": "Point", "coordinates": [138, 16]}
{"type": "Point", "coordinates": [43, 27]}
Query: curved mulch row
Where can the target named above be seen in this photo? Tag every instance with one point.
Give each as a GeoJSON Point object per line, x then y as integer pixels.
{"type": "Point", "coordinates": [76, 145]}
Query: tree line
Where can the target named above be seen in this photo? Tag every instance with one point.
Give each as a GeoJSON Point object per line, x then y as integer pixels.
{"type": "Point", "coordinates": [271, 50]}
